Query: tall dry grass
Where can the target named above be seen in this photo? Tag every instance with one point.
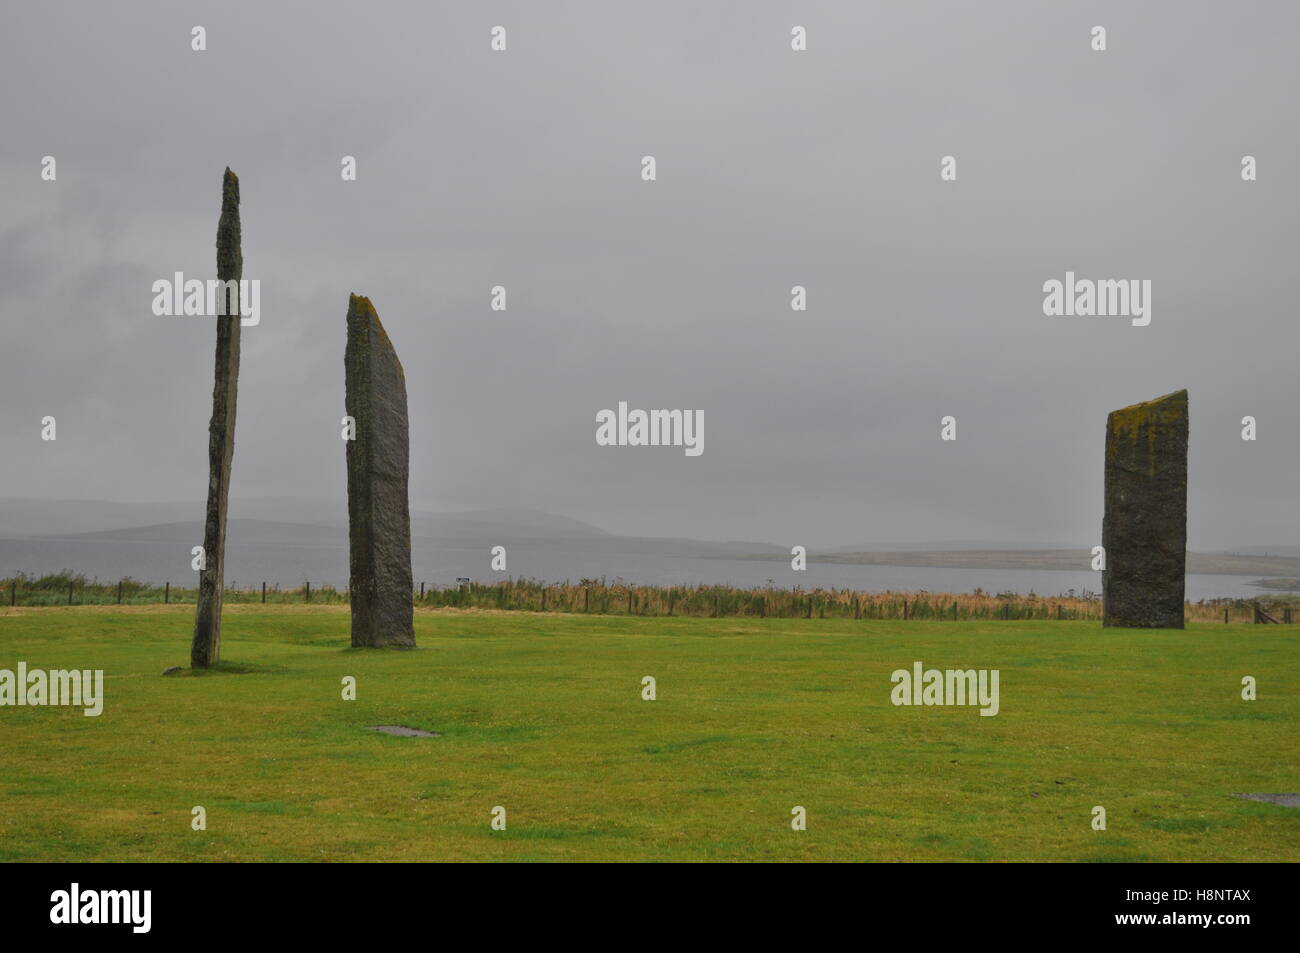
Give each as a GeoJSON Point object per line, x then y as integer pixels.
{"type": "Point", "coordinates": [616, 597]}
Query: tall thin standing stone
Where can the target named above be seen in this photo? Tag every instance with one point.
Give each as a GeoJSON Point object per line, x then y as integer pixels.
{"type": "Point", "coordinates": [1144, 530]}
{"type": "Point", "coordinates": [206, 647]}
{"type": "Point", "coordinates": [379, 515]}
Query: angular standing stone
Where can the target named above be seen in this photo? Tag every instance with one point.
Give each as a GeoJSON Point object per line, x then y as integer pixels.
{"type": "Point", "coordinates": [379, 516]}
{"type": "Point", "coordinates": [1144, 529]}
{"type": "Point", "coordinates": [205, 650]}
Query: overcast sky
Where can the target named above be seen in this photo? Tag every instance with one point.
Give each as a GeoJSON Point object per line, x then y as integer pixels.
{"type": "Point", "coordinates": [775, 168]}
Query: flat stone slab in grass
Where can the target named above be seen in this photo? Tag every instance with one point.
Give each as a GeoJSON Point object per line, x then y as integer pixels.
{"type": "Point", "coordinates": [404, 732]}
{"type": "Point", "coordinates": [1286, 800]}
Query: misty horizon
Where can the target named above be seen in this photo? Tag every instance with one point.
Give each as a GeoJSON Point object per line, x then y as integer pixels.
{"type": "Point", "coordinates": [312, 513]}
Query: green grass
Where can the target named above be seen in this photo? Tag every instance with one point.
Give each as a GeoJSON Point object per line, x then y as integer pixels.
{"type": "Point", "coordinates": [543, 714]}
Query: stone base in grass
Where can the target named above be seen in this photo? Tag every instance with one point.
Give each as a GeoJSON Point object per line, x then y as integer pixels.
{"type": "Point", "coordinates": [1285, 800]}
{"type": "Point", "coordinates": [404, 732]}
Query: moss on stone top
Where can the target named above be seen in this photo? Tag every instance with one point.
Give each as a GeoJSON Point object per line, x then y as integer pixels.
{"type": "Point", "coordinates": [360, 307]}
{"type": "Point", "coordinates": [360, 304]}
{"type": "Point", "coordinates": [1150, 417]}
{"type": "Point", "coordinates": [1158, 413]}
{"type": "Point", "coordinates": [230, 255]}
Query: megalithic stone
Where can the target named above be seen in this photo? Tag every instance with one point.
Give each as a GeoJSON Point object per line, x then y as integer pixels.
{"type": "Point", "coordinates": [205, 650]}
{"type": "Point", "coordinates": [379, 515]}
{"type": "Point", "coordinates": [1144, 530]}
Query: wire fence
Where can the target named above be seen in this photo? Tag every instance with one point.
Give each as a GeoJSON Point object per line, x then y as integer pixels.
{"type": "Point", "coordinates": [616, 597]}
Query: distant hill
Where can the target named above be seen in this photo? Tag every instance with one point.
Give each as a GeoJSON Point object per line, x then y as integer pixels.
{"type": "Point", "coordinates": [19, 518]}
{"type": "Point", "coordinates": [495, 529]}
{"type": "Point", "coordinates": [274, 522]}
{"type": "Point", "coordinates": [190, 533]}
{"type": "Point", "coordinates": [39, 518]}
{"type": "Point", "coordinates": [949, 546]}
{"type": "Point", "coordinates": [46, 518]}
{"type": "Point", "coordinates": [513, 521]}
{"type": "Point", "coordinates": [1280, 549]}
{"type": "Point", "coordinates": [320, 523]}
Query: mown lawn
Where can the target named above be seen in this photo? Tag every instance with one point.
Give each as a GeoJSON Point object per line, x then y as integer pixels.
{"type": "Point", "coordinates": [543, 715]}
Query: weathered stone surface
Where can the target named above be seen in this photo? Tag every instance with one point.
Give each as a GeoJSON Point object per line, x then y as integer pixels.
{"type": "Point", "coordinates": [205, 650]}
{"type": "Point", "coordinates": [379, 516]}
{"type": "Point", "coordinates": [1144, 529]}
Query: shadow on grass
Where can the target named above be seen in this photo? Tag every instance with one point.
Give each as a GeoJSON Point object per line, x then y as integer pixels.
{"type": "Point", "coordinates": [361, 649]}
{"type": "Point", "coordinates": [235, 668]}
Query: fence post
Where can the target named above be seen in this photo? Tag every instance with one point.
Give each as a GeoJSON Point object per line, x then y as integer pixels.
{"type": "Point", "coordinates": [264, 592]}
{"type": "Point", "coordinates": [69, 593]}
{"type": "Point", "coordinates": [421, 590]}
{"type": "Point", "coordinates": [586, 598]}
{"type": "Point", "coordinates": [1225, 615]}
{"type": "Point", "coordinates": [629, 600]}
{"type": "Point", "coordinates": [13, 593]}
{"type": "Point", "coordinates": [857, 609]}
{"type": "Point", "coordinates": [954, 610]}
{"type": "Point", "coordinates": [904, 608]}
{"type": "Point", "coordinates": [307, 597]}
{"type": "Point", "coordinates": [543, 598]}
{"type": "Point", "coordinates": [119, 592]}
{"type": "Point", "coordinates": [167, 592]}
{"type": "Point", "coordinates": [762, 607]}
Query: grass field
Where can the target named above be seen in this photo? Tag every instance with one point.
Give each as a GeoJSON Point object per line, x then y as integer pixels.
{"type": "Point", "coordinates": [542, 714]}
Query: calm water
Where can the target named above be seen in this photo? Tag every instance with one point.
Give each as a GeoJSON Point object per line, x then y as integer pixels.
{"type": "Point", "coordinates": [438, 565]}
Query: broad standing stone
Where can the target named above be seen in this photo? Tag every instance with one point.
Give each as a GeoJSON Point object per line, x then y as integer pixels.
{"type": "Point", "coordinates": [1144, 529]}
{"type": "Point", "coordinates": [205, 650]}
{"type": "Point", "coordinates": [379, 516]}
